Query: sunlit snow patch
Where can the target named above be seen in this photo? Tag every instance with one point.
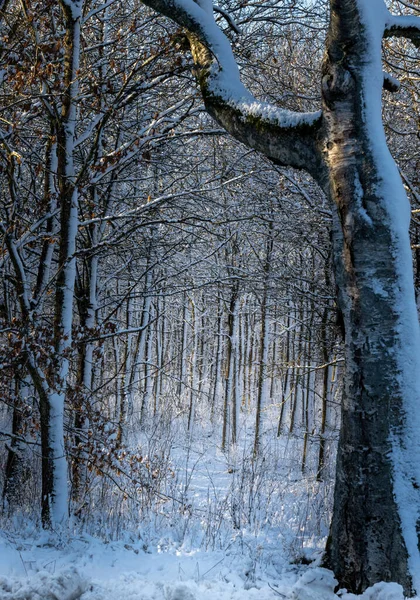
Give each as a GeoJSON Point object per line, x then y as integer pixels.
{"type": "Point", "coordinates": [380, 591]}
{"type": "Point", "coordinates": [65, 585]}
{"type": "Point", "coordinates": [315, 584]}
{"type": "Point", "coordinates": [319, 584]}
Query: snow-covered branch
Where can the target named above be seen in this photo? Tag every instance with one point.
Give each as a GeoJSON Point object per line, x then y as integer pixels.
{"type": "Point", "coordinates": [228, 18]}
{"type": "Point", "coordinates": [288, 138]}
{"type": "Point", "coordinates": [404, 26]}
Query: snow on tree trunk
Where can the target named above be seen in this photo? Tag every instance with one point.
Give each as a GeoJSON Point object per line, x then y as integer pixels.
{"type": "Point", "coordinates": [54, 462]}
{"type": "Point", "coordinates": [374, 532]}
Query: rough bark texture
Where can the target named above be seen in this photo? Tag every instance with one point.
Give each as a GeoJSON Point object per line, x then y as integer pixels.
{"type": "Point", "coordinates": [14, 472]}
{"type": "Point", "coordinates": [366, 543]}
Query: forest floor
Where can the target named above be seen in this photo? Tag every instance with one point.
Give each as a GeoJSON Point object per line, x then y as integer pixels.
{"type": "Point", "coordinates": [87, 569]}
{"type": "Point", "coordinates": [240, 529]}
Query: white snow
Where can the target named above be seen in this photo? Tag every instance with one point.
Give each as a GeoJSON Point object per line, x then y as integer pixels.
{"type": "Point", "coordinates": [404, 21]}
{"type": "Point", "coordinates": [87, 569]}
{"type": "Point", "coordinates": [224, 79]}
{"type": "Point", "coordinates": [405, 449]}
{"type": "Point", "coordinates": [173, 559]}
{"type": "Point", "coordinates": [362, 211]}
{"type": "Point", "coordinates": [315, 584]}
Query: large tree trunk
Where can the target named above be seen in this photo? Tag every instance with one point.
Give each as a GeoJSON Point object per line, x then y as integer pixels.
{"type": "Point", "coordinates": [373, 533]}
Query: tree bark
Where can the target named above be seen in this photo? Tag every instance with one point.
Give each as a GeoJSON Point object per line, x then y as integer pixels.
{"type": "Point", "coordinates": [52, 398]}
{"type": "Point", "coordinates": [229, 406]}
{"type": "Point", "coordinates": [264, 341]}
{"type": "Point", "coordinates": [375, 518]}
{"type": "Point", "coordinates": [15, 472]}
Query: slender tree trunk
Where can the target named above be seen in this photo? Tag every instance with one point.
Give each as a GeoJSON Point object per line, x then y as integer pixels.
{"type": "Point", "coordinates": [140, 345]}
{"type": "Point", "coordinates": [247, 358]}
{"type": "Point", "coordinates": [124, 372]}
{"type": "Point", "coordinates": [184, 348]}
{"type": "Point", "coordinates": [274, 371]}
{"type": "Point", "coordinates": [87, 300]}
{"type": "Point", "coordinates": [307, 388]}
{"type": "Point", "coordinates": [324, 397]}
{"type": "Point", "coordinates": [229, 399]}
{"type": "Point", "coordinates": [193, 366]}
{"type": "Point", "coordinates": [293, 378]}
{"type": "Point", "coordinates": [286, 377]}
{"type": "Point", "coordinates": [218, 359]}
{"type": "Point", "coordinates": [148, 373]}
{"type": "Point", "coordinates": [233, 375]}
{"type": "Point", "coordinates": [264, 343]}
{"type": "Point", "coordinates": [160, 354]}
{"type": "Point", "coordinates": [54, 464]}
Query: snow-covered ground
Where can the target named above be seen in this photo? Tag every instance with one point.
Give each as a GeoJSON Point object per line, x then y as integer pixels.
{"type": "Point", "coordinates": [87, 569]}
{"type": "Point", "coordinates": [225, 528]}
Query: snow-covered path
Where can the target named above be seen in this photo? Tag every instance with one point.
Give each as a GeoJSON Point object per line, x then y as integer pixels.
{"type": "Point", "coordinates": [31, 570]}
{"type": "Point", "coordinates": [87, 569]}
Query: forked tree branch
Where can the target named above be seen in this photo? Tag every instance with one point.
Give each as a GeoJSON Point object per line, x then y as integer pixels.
{"type": "Point", "coordinates": [287, 138]}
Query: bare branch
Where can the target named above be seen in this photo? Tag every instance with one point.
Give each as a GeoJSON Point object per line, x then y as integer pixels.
{"type": "Point", "coordinates": [408, 5]}
{"type": "Point", "coordinates": [228, 18]}
{"type": "Point", "coordinates": [287, 138]}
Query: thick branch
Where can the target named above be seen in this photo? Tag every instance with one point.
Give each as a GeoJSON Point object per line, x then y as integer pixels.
{"type": "Point", "coordinates": [287, 138]}
{"type": "Point", "coordinates": [406, 27]}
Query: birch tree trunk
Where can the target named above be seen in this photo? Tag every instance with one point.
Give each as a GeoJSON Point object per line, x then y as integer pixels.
{"type": "Point", "coordinates": [146, 404]}
{"type": "Point", "coordinates": [376, 505]}
{"type": "Point", "coordinates": [87, 300]}
{"type": "Point", "coordinates": [160, 354]}
{"type": "Point", "coordinates": [229, 405]}
{"type": "Point", "coordinates": [193, 366]}
{"type": "Point", "coordinates": [184, 350]}
{"type": "Point", "coordinates": [218, 358]}
{"type": "Point", "coordinates": [286, 375]}
{"type": "Point", "coordinates": [54, 464]}
{"type": "Point", "coordinates": [140, 345]}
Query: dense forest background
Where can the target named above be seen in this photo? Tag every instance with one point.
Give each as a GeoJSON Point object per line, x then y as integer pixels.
{"type": "Point", "coordinates": [173, 288]}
